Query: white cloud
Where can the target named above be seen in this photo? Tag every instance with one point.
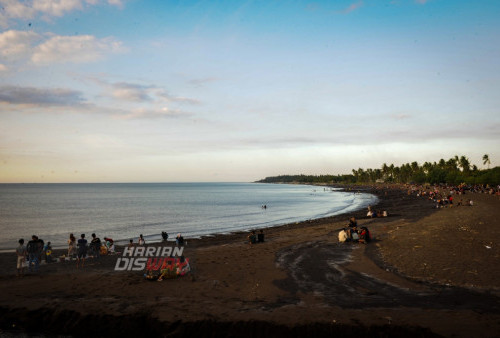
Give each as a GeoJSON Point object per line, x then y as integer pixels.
{"type": "Point", "coordinates": [19, 46]}
{"type": "Point", "coordinates": [56, 7]}
{"type": "Point", "coordinates": [130, 92]}
{"type": "Point", "coordinates": [15, 43]}
{"type": "Point", "coordinates": [164, 112]}
{"type": "Point", "coordinates": [75, 49]}
{"type": "Point", "coordinates": [14, 9]}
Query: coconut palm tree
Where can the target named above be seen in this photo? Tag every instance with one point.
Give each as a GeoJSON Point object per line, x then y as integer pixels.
{"type": "Point", "coordinates": [464, 164]}
{"type": "Point", "coordinates": [486, 159]}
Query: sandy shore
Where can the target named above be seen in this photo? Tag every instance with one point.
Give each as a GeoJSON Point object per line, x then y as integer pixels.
{"type": "Point", "coordinates": [428, 272]}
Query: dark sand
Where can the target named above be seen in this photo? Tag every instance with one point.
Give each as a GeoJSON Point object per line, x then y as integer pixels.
{"type": "Point", "coordinates": [428, 272]}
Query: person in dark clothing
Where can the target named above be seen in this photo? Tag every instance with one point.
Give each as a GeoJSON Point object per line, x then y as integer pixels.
{"type": "Point", "coordinates": [82, 251]}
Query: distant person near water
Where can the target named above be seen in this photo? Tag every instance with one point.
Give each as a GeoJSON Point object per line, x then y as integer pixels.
{"type": "Point", "coordinates": [164, 236]}
{"type": "Point", "coordinates": [141, 240]}
{"type": "Point", "coordinates": [71, 246]}
{"type": "Point", "coordinates": [21, 257]}
{"type": "Point", "coordinates": [179, 239]}
{"type": "Point", "coordinates": [34, 248]}
{"type": "Point", "coordinates": [82, 251]}
{"type": "Point", "coordinates": [95, 246]}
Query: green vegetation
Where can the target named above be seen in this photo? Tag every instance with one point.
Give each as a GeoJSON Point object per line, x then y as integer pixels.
{"type": "Point", "coordinates": [456, 170]}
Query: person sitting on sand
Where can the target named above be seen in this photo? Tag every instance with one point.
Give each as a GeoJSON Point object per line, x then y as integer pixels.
{"type": "Point", "coordinates": [260, 236]}
{"type": "Point", "coordinates": [364, 235]}
{"type": "Point", "coordinates": [82, 251]}
{"type": "Point", "coordinates": [252, 239]}
{"type": "Point", "coordinates": [352, 227]}
{"type": "Point", "coordinates": [354, 235]}
{"type": "Point", "coordinates": [343, 237]}
{"type": "Point", "coordinates": [111, 247]}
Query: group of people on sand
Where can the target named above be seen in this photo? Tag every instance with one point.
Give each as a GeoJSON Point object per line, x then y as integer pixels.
{"type": "Point", "coordinates": [254, 238]}
{"type": "Point", "coordinates": [81, 248]}
{"type": "Point", "coordinates": [351, 233]}
{"type": "Point", "coordinates": [375, 213]}
{"type": "Point", "coordinates": [444, 195]}
{"type": "Point", "coordinates": [32, 254]}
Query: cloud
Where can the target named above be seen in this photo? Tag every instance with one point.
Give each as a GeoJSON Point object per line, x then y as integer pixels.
{"type": "Point", "coordinates": [131, 92]}
{"type": "Point", "coordinates": [56, 7]}
{"type": "Point", "coordinates": [171, 98]}
{"type": "Point", "coordinates": [164, 112]}
{"type": "Point", "coordinates": [74, 49]}
{"type": "Point", "coordinates": [135, 92]}
{"type": "Point", "coordinates": [352, 7]}
{"type": "Point", "coordinates": [16, 43]}
{"type": "Point", "coordinates": [202, 81]}
{"type": "Point", "coordinates": [31, 96]}
{"type": "Point", "coordinates": [19, 46]}
{"type": "Point", "coordinates": [14, 9]}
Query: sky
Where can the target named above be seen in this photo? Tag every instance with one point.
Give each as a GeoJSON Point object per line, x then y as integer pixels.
{"type": "Point", "coordinates": [235, 91]}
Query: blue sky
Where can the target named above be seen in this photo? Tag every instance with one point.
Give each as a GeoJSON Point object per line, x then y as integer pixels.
{"type": "Point", "coordinates": [141, 91]}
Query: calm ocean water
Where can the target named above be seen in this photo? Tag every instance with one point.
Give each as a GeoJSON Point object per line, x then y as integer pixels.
{"type": "Point", "coordinates": [123, 211]}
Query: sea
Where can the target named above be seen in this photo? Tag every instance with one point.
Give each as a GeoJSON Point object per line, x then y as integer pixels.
{"type": "Point", "coordinates": [122, 211]}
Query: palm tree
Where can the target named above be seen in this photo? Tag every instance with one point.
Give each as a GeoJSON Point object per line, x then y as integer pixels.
{"type": "Point", "coordinates": [465, 164]}
{"type": "Point", "coordinates": [486, 159]}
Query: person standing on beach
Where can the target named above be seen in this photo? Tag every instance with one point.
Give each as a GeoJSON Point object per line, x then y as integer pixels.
{"type": "Point", "coordinates": [71, 246]}
{"type": "Point", "coordinates": [141, 240]}
{"type": "Point", "coordinates": [95, 243]}
{"type": "Point", "coordinates": [21, 257]}
{"type": "Point", "coordinates": [82, 250]}
{"type": "Point", "coordinates": [33, 255]}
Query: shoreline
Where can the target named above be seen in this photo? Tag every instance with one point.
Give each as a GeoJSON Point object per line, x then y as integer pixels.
{"type": "Point", "coordinates": [252, 290]}
{"type": "Point", "coordinates": [157, 236]}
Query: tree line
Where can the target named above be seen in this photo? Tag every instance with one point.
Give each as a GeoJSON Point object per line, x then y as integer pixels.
{"type": "Point", "coordinates": [455, 171]}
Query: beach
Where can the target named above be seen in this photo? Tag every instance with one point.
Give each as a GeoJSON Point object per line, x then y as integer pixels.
{"type": "Point", "coordinates": [428, 272]}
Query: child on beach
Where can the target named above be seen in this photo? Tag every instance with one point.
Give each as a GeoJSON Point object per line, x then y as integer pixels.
{"type": "Point", "coordinates": [47, 249]}
{"type": "Point", "coordinates": [21, 257]}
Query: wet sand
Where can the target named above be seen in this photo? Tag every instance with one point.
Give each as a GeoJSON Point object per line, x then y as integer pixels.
{"type": "Point", "coordinates": [428, 272]}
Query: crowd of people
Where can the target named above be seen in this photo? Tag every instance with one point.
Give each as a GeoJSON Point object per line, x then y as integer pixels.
{"type": "Point", "coordinates": [449, 195]}
{"type": "Point", "coordinates": [32, 254]}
